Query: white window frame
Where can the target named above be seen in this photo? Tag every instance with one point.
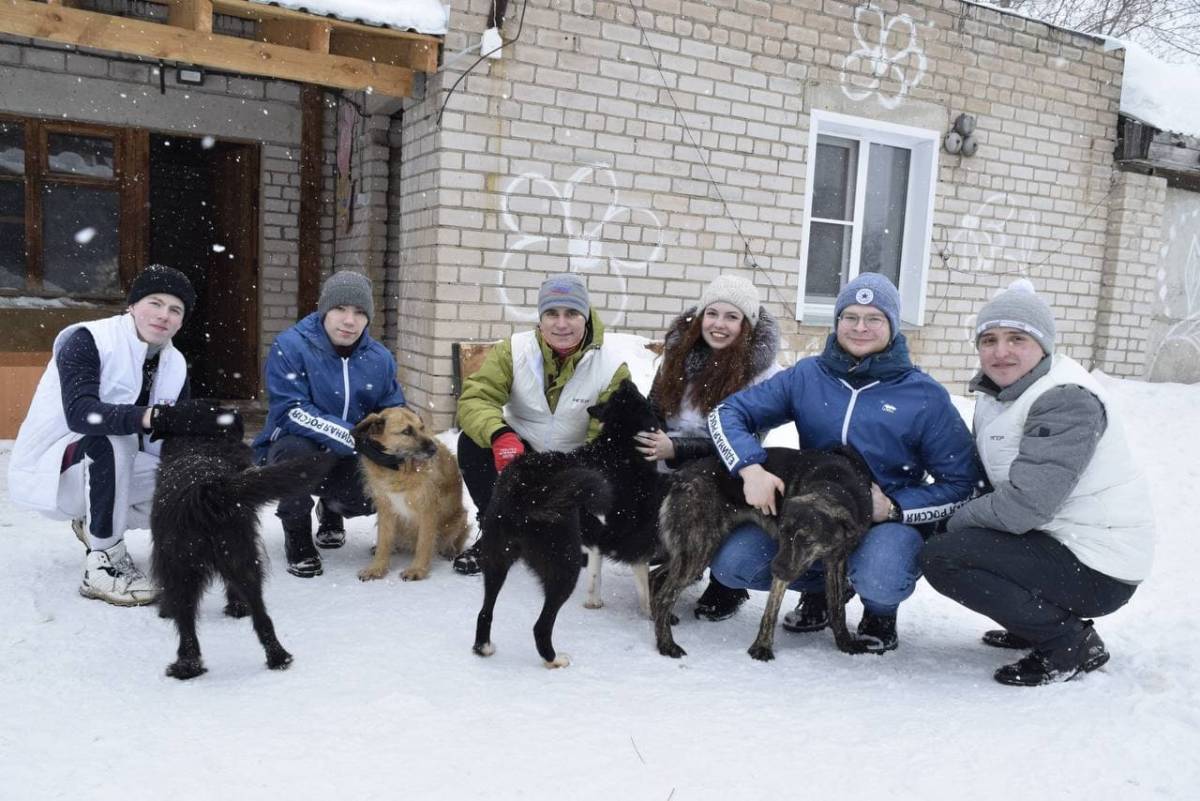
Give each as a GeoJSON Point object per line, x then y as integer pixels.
{"type": "Point", "coordinates": [923, 144]}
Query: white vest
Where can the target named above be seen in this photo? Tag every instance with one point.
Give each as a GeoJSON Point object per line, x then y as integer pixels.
{"type": "Point", "coordinates": [36, 461]}
{"type": "Point", "coordinates": [1107, 521]}
{"type": "Point", "coordinates": [527, 410]}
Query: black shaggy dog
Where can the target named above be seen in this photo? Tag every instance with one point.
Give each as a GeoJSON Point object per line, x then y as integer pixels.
{"type": "Point", "coordinates": [204, 522]}
{"type": "Point", "coordinates": [545, 506]}
{"type": "Point", "coordinates": [824, 513]}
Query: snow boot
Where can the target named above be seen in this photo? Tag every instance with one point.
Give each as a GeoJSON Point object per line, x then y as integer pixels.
{"type": "Point", "coordinates": [719, 602]}
{"type": "Point", "coordinates": [879, 631]}
{"type": "Point", "coordinates": [1040, 667]}
{"type": "Point", "coordinates": [1000, 638]}
{"type": "Point", "coordinates": [331, 531]}
{"type": "Point", "coordinates": [302, 557]}
{"type": "Point", "coordinates": [467, 562]}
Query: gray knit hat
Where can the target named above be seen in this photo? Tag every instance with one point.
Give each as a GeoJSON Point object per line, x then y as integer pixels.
{"type": "Point", "coordinates": [871, 289]}
{"type": "Point", "coordinates": [347, 288]}
{"type": "Point", "coordinates": [1022, 308]}
{"type": "Point", "coordinates": [565, 290]}
{"type": "Point", "coordinates": [735, 291]}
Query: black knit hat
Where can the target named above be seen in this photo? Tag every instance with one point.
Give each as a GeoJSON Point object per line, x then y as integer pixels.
{"type": "Point", "coordinates": [159, 278]}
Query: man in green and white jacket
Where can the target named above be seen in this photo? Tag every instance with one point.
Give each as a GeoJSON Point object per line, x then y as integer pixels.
{"type": "Point", "coordinates": [532, 392]}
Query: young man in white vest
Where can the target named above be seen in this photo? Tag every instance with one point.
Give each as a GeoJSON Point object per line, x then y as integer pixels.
{"type": "Point", "coordinates": [84, 451]}
{"type": "Point", "coordinates": [533, 391]}
{"type": "Point", "coordinates": [1067, 531]}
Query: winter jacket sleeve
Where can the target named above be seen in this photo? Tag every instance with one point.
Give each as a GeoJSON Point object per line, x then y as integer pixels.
{"type": "Point", "coordinates": [78, 363]}
{"type": "Point", "coordinates": [947, 453]}
{"type": "Point", "coordinates": [288, 389]}
{"type": "Point", "coordinates": [1059, 439]}
{"type": "Point", "coordinates": [484, 393]}
{"type": "Point", "coordinates": [732, 425]}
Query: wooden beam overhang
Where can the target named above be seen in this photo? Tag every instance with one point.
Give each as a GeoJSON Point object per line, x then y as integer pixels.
{"type": "Point", "coordinates": [290, 45]}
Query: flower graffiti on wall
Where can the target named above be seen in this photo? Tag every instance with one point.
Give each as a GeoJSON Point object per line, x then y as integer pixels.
{"type": "Point", "coordinates": [888, 49]}
{"type": "Point", "coordinates": [981, 239]}
{"type": "Point", "coordinates": [582, 226]}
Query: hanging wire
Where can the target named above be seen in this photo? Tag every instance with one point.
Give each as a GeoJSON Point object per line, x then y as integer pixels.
{"type": "Point", "coordinates": [503, 44]}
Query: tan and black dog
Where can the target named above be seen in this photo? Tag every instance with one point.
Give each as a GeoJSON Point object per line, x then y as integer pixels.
{"type": "Point", "coordinates": [417, 489]}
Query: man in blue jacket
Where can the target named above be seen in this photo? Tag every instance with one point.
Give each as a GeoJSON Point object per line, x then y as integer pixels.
{"type": "Point", "coordinates": [862, 391]}
{"type": "Point", "coordinates": [324, 375]}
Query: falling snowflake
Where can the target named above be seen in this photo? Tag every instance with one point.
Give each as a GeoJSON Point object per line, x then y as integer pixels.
{"type": "Point", "coordinates": [95, 418]}
{"type": "Point", "coordinates": [85, 235]}
{"type": "Point", "coordinates": [218, 248]}
{"type": "Point", "coordinates": [207, 142]}
{"type": "Point", "coordinates": [226, 419]}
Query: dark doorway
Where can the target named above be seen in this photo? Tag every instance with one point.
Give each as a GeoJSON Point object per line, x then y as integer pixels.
{"type": "Point", "coordinates": [204, 221]}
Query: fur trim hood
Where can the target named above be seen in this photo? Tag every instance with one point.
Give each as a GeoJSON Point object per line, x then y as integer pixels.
{"type": "Point", "coordinates": [764, 343]}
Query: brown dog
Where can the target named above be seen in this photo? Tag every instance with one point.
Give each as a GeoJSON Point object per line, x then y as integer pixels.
{"type": "Point", "coordinates": [417, 490]}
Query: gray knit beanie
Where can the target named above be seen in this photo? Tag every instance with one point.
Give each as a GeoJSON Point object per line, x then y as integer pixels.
{"type": "Point", "coordinates": [565, 290]}
{"type": "Point", "coordinates": [347, 288]}
{"type": "Point", "coordinates": [871, 289]}
{"type": "Point", "coordinates": [733, 290]}
{"type": "Point", "coordinates": [1022, 308]}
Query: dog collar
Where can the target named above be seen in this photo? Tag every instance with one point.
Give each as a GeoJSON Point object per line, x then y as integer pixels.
{"type": "Point", "coordinates": [370, 449]}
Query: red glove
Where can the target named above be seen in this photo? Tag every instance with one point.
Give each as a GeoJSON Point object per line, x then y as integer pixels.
{"type": "Point", "coordinates": [505, 448]}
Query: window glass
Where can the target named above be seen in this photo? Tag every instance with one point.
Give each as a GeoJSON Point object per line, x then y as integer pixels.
{"type": "Point", "coordinates": [834, 179]}
{"type": "Point", "coordinates": [883, 214]}
{"type": "Point", "coordinates": [12, 235]}
{"type": "Point", "coordinates": [79, 240]}
{"type": "Point", "coordinates": [12, 148]}
{"type": "Point", "coordinates": [90, 156]}
{"type": "Point", "coordinates": [828, 259]}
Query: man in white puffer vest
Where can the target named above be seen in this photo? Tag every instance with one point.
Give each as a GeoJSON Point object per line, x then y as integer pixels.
{"type": "Point", "coordinates": [1067, 532]}
{"type": "Point", "coordinates": [85, 450]}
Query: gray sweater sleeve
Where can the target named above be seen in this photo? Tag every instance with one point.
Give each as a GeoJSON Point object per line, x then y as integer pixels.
{"type": "Point", "coordinates": [1061, 432]}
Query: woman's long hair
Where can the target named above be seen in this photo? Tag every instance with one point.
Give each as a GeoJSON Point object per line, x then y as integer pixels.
{"type": "Point", "coordinates": [720, 372]}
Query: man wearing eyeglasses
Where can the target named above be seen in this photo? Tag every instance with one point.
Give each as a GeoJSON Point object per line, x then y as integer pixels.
{"type": "Point", "coordinates": [865, 392]}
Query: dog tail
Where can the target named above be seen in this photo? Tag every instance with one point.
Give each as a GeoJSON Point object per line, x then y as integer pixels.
{"type": "Point", "coordinates": [260, 485]}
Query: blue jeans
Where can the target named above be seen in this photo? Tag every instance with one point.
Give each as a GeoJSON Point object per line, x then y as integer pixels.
{"type": "Point", "coordinates": [883, 569]}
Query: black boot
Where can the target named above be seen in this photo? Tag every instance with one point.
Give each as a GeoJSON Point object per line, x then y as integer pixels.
{"type": "Point", "coordinates": [719, 602]}
{"type": "Point", "coordinates": [1062, 664]}
{"type": "Point", "coordinates": [879, 631]}
{"type": "Point", "coordinates": [467, 562]}
{"type": "Point", "coordinates": [811, 614]}
{"type": "Point", "coordinates": [331, 531]}
{"type": "Point", "coordinates": [302, 557]}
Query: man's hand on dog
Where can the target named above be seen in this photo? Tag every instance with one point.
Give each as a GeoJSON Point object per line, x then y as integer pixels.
{"type": "Point", "coordinates": [655, 446]}
{"type": "Point", "coordinates": [506, 448]}
{"type": "Point", "coordinates": [193, 418]}
{"type": "Point", "coordinates": [760, 487]}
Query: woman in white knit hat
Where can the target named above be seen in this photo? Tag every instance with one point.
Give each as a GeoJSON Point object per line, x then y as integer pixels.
{"type": "Point", "coordinates": [1066, 532]}
{"type": "Point", "coordinates": [725, 343]}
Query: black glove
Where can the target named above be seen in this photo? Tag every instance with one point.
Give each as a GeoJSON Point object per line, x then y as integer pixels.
{"type": "Point", "coordinates": [195, 418]}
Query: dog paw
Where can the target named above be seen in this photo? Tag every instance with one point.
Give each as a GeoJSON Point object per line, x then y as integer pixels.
{"type": "Point", "coordinates": [672, 650]}
{"type": "Point", "coordinates": [596, 604]}
{"type": "Point", "coordinates": [414, 574]}
{"type": "Point", "coordinates": [279, 661]}
{"type": "Point", "coordinates": [186, 669]}
{"type": "Point", "coordinates": [484, 649]}
{"type": "Point", "coordinates": [560, 661]}
{"type": "Point", "coordinates": [371, 573]}
{"type": "Point", "coordinates": [762, 653]}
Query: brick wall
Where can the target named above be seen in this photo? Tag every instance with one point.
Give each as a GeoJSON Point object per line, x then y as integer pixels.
{"type": "Point", "coordinates": [571, 153]}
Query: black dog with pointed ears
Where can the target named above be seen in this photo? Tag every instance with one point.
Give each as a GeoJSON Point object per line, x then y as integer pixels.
{"type": "Point", "coordinates": [603, 495]}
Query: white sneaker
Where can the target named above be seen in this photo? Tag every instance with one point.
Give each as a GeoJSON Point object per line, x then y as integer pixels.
{"type": "Point", "coordinates": [112, 576]}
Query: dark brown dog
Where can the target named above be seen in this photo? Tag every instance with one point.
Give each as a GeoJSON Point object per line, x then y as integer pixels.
{"type": "Point", "coordinates": [824, 512]}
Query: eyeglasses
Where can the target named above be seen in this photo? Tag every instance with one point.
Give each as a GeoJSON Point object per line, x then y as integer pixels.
{"type": "Point", "coordinates": [872, 321]}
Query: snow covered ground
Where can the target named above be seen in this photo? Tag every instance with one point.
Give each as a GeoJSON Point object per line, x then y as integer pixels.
{"type": "Point", "coordinates": [386, 700]}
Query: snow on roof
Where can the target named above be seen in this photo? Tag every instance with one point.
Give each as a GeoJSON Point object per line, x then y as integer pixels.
{"type": "Point", "coordinates": [422, 16]}
{"type": "Point", "coordinates": [1161, 94]}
